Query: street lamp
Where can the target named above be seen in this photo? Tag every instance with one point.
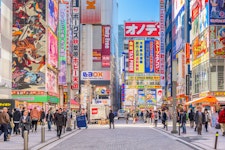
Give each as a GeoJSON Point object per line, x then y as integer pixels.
{"type": "Point", "coordinates": [68, 80]}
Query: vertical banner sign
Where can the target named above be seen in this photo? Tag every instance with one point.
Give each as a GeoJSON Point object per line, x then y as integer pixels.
{"type": "Point", "coordinates": [152, 56]}
{"type": "Point", "coordinates": [147, 56]}
{"type": "Point", "coordinates": [162, 43]}
{"type": "Point", "coordinates": [187, 51]}
{"type": "Point", "coordinates": [142, 56]}
{"type": "Point", "coordinates": [123, 92]}
{"type": "Point", "coordinates": [68, 52]}
{"type": "Point", "coordinates": [131, 57]}
{"type": "Point", "coordinates": [75, 45]}
{"type": "Point", "coordinates": [157, 57]}
{"type": "Point", "coordinates": [106, 46]}
{"type": "Point", "coordinates": [62, 44]}
{"type": "Point", "coordinates": [136, 56]}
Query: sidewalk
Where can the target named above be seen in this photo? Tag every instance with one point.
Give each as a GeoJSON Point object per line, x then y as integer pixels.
{"type": "Point", "coordinates": [34, 139]}
{"type": "Point", "coordinates": [205, 141]}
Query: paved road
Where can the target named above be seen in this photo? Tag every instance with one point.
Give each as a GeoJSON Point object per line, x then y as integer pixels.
{"type": "Point", "coordinates": [126, 137]}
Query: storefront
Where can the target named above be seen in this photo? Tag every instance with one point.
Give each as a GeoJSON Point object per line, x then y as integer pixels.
{"type": "Point", "coordinates": [9, 103]}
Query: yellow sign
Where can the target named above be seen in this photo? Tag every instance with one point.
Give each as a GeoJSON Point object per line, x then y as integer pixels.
{"type": "Point", "coordinates": [5, 104]}
{"type": "Point", "coordinates": [200, 60]}
{"type": "Point", "coordinates": [204, 94]}
{"type": "Point", "coordinates": [157, 78]}
{"type": "Point", "coordinates": [219, 93]}
{"type": "Point", "coordinates": [139, 59]}
{"type": "Point", "coordinates": [146, 86]}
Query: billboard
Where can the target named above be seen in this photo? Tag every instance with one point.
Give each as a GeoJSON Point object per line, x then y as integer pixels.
{"type": "Point", "coordinates": [53, 11]}
{"type": "Point", "coordinates": [157, 57]}
{"type": "Point", "coordinates": [131, 56]}
{"type": "Point", "coordinates": [203, 19]}
{"type": "Point", "coordinates": [216, 12]}
{"type": "Point", "coordinates": [152, 56]}
{"type": "Point", "coordinates": [75, 45]}
{"type": "Point", "coordinates": [52, 49]}
{"type": "Point", "coordinates": [90, 12]}
{"type": "Point", "coordinates": [95, 75]}
{"type": "Point", "coordinates": [177, 5]}
{"type": "Point", "coordinates": [106, 46]}
{"type": "Point", "coordinates": [195, 28]}
{"type": "Point", "coordinates": [62, 44]}
{"type": "Point", "coordinates": [147, 56]}
{"type": "Point", "coordinates": [139, 56]}
{"type": "Point", "coordinates": [217, 41]}
{"type": "Point", "coordinates": [97, 55]}
{"type": "Point", "coordinates": [178, 32]}
{"type": "Point", "coordinates": [28, 46]}
{"type": "Point", "coordinates": [141, 29]}
{"type": "Point", "coordinates": [52, 85]}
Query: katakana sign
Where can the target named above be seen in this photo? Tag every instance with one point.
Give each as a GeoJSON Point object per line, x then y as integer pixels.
{"type": "Point", "coordinates": [141, 29]}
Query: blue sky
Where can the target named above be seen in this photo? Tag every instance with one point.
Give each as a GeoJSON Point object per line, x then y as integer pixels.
{"type": "Point", "coordinates": [138, 10]}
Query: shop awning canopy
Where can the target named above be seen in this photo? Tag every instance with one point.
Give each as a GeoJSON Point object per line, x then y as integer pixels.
{"type": "Point", "coordinates": [207, 99]}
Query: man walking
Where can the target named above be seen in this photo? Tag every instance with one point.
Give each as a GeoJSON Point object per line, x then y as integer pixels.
{"type": "Point", "coordinates": [4, 121]}
{"type": "Point", "coordinates": [60, 122]}
{"type": "Point", "coordinates": [111, 119]}
{"type": "Point", "coordinates": [221, 120]}
{"type": "Point", "coordinates": [16, 120]}
{"type": "Point", "coordinates": [183, 120]}
{"type": "Point", "coordinates": [25, 122]}
{"type": "Point", "coordinates": [199, 120]}
{"type": "Point", "coordinates": [191, 118]}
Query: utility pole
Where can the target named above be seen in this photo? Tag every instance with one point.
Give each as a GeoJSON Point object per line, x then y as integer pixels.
{"type": "Point", "coordinates": [68, 126]}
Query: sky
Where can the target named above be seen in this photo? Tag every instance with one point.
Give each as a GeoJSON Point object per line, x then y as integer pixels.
{"type": "Point", "coordinates": [138, 10]}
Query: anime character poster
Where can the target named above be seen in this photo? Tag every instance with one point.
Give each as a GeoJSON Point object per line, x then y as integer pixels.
{"type": "Point", "coordinates": [217, 41]}
{"type": "Point", "coordinates": [216, 12]}
{"type": "Point", "coordinates": [52, 49]}
{"type": "Point", "coordinates": [53, 10]}
{"type": "Point", "coordinates": [52, 86]}
{"type": "Point", "coordinates": [28, 45]}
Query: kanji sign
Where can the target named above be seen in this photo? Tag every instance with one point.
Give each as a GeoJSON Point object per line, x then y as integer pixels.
{"type": "Point", "coordinates": [142, 29]}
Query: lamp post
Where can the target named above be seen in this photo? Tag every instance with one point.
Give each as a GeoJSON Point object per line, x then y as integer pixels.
{"type": "Point", "coordinates": [68, 79]}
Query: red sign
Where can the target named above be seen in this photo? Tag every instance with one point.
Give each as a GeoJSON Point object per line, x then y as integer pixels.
{"type": "Point", "coordinates": [75, 73]}
{"type": "Point", "coordinates": [187, 50]}
{"type": "Point", "coordinates": [106, 46]}
{"type": "Point", "coordinates": [142, 29]}
{"type": "Point", "coordinates": [94, 111]}
{"type": "Point", "coordinates": [131, 57]}
{"type": "Point", "coordinates": [195, 11]}
{"type": "Point", "coordinates": [157, 57]}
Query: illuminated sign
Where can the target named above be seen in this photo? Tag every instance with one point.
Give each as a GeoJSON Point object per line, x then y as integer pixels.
{"type": "Point", "coordinates": [157, 57]}
{"type": "Point", "coordinates": [95, 75]}
{"type": "Point", "coordinates": [131, 57]}
{"type": "Point", "coordinates": [144, 78]}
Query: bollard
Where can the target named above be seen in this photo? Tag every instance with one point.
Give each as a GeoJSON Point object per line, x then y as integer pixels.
{"type": "Point", "coordinates": [215, 147]}
{"type": "Point", "coordinates": [75, 124]}
{"type": "Point", "coordinates": [25, 135]}
{"type": "Point", "coordinates": [179, 128]}
{"type": "Point", "coordinates": [42, 134]}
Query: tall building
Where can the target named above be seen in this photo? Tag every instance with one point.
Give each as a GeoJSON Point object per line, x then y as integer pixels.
{"type": "Point", "coordinates": [5, 50]}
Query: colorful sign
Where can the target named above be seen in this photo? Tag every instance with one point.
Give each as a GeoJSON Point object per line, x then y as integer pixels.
{"type": "Point", "coordinates": [53, 11]}
{"type": "Point", "coordinates": [195, 28]}
{"type": "Point", "coordinates": [91, 12]}
{"type": "Point", "coordinates": [216, 12]}
{"type": "Point", "coordinates": [200, 60]}
{"type": "Point", "coordinates": [157, 57]}
{"type": "Point", "coordinates": [52, 49]}
{"type": "Point", "coordinates": [177, 5]}
{"type": "Point", "coordinates": [141, 29]}
{"type": "Point", "coordinates": [139, 56]}
{"type": "Point", "coordinates": [62, 44]}
{"type": "Point", "coordinates": [203, 19]}
{"type": "Point", "coordinates": [76, 45]}
{"type": "Point", "coordinates": [106, 46]}
{"type": "Point", "coordinates": [131, 56]}
{"type": "Point", "coordinates": [97, 55]}
{"type": "Point", "coordinates": [195, 10]}
{"type": "Point", "coordinates": [159, 94]}
{"type": "Point", "coordinates": [52, 85]}
{"type": "Point", "coordinates": [187, 52]}
{"type": "Point", "coordinates": [95, 75]}
{"type": "Point", "coordinates": [147, 56]}
{"type": "Point", "coordinates": [162, 42]}
{"type": "Point", "coordinates": [155, 78]}
{"type": "Point", "coordinates": [152, 56]}
{"type": "Point", "coordinates": [28, 46]}
{"type": "Point", "coordinates": [123, 92]}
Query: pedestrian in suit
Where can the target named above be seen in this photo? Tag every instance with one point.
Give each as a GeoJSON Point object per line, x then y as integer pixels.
{"type": "Point", "coordinates": [111, 119]}
{"type": "Point", "coordinates": [199, 120]}
{"type": "Point", "coordinates": [60, 122]}
{"type": "Point", "coordinates": [25, 122]}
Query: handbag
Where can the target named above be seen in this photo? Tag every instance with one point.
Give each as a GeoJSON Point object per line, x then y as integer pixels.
{"type": "Point", "coordinates": [12, 124]}
{"type": "Point", "coordinates": [218, 126]}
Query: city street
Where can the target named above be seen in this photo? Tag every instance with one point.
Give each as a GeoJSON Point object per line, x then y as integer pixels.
{"type": "Point", "coordinates": [124, 136]}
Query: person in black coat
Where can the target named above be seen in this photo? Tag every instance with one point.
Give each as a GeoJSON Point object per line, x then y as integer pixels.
{"type": "Point", "coordinates": [191, 116]}
{"type": "Point", "coordinates": [183, 120]}
{"type": "Point", "coordinates": [25, 122]}
{"type": "Point", "coordinates": [60, 122]}
{"type": "Point", "coordinates": [16, 120]}
{"type": "Point", "coordinates": [111, 119]}
{"type": "Point", "coordinates": [49, 118]}
{"type": "Point", "coordinates": [199, 120]}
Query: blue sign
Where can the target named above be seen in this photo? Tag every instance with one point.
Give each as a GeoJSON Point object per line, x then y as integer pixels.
{"type": "Point", "coordinates": [152, 56]}
{"type": "Point", "coordinates": [147, 56]}
{"type": "Point", "coordinates": [216, 12]}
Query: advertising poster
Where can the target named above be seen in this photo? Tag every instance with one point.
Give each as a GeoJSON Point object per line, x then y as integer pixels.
{"type": "Point", "coordinates": [203, 19]}
{"type": "Point", "coordinates": [152, 56]}
{"type": "Point", "coordinates": [177, 5]}
{"type": "Point", "coordinates": [217, 41]}
{"type": "Point", "coordinates": [62, 44]}
{"type": "Point", "coordinates": [97, 55]}
{"type": "Point", "coordinates": [195, 28]}
{"type": "Point", "coordinates": [147, 56]}
{"type": "Point", "coordinates": [141, 29]}
{"type": "Point", "coordinates": [106, 46]}
{"type": "Point", "coordinates": [157, 57]}
{"type": "Point", "coordinates": [178, 30]}
{"type": "Point", "coordinates": [159, 94]}
{"type": "Point", "coordinates": [28, 46]}
{"type": "Point", "coordinates": [52, 86]}
{"type": "Point", "coordinates": [200, 45]}
{"type": "Point", "coordinates": [216, 12]}
{"type": "Point", "coordinates": [52, 49]}
{"type": "Point", "coordinates": [53, 11]}
{"type": "Point", "coordinates": [95, 75]}
{"type": "Point", "coordinates": [91, 12]}
{"type": "Point", "coordinates": [131, 56]}
{"type": "Point", "coordinates": [139, 56]}
{"type": "Point", "coordinates": [130, 96]}
{"type": "Point", "coordinates": [142, 56]}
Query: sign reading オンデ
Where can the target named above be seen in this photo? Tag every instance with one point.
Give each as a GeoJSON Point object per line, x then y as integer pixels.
{"type": "Point", "coordinates": [141, 29]}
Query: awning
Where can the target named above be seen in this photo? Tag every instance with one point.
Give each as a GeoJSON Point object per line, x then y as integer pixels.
{"type": "Point", "coordinates": [207, 99]}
